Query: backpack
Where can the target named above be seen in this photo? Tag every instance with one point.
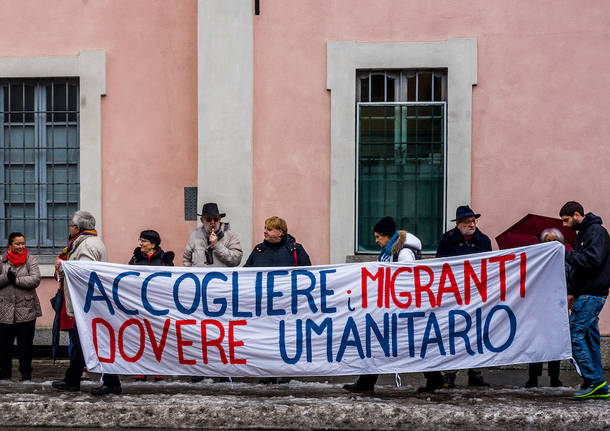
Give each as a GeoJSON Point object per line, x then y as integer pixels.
{"type": "Point", "coordinates": [415, 251]}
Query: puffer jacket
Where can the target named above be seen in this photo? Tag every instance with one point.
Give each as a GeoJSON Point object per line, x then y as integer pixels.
{"type": "Point", "coordinates": [287, 252]}
{"type": "Point", "coordinates": [226, 252]}
{"type": "Point", "coordinates": [19, 303]}
{"type": "Point", "coordinates": [590, 259]}
{"type": "Point", "coordinates": [158, 258]}
{"type": "Point", "coordinates": [406, 248]}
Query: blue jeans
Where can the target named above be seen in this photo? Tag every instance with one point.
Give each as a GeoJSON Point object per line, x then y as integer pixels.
{"type": "Point", "coordinates": [584, 331]}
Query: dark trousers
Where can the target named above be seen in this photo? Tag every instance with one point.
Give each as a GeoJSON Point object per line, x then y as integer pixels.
{"type": "Point", "coordinates": [367, 380]}
{"type": "Point", "coordinates": [434, 376]}
{"type": "Point", "coordinates": [77, 365]}
{"type": "Point", "coordinates": [437, 376]}
{"type": "Point", "coordinates": [535, 369]}
{"type": "Point", "coordinates": [24, 333]}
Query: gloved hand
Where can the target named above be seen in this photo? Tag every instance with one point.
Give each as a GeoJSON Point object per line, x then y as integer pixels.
{"type": "Point", "coordinates": [11, 277]}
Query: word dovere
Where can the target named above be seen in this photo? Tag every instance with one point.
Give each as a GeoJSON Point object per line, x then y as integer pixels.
{"type": "Point", "coordinates": [474, 336]}
{"type": "Point", "coordinates": [157, 342]}
{"type": "Point", "coordinates": [310, 288]}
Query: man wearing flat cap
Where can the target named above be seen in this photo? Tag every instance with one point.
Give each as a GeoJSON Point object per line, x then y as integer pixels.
{"type": "Point", "coordinates": [213, 243]}
{"type": "Point", "coordinates": [464, 238]}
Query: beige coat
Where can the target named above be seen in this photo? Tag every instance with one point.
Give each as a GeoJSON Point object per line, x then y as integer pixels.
{"type": "Point", "coordinates": [227, 251]}
{"type": "Point", "coordinates": [19, 303]}
{"type": "Point", "coordinates": [85, 247]}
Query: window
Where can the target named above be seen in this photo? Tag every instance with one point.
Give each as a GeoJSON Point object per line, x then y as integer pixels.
{"type": "Point", "coordinates": [40, 156]}
{"type": "Point", "coordinates": [400, 140]}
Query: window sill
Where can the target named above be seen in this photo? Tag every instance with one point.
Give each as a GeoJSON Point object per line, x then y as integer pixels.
{"type": "Point", "coordinates": [46, 270]}
{"type": "Point", "coordinates": [46, 264]}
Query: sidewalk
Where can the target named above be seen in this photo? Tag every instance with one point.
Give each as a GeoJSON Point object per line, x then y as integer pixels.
{"type": "Point", "coordinates": [304, 403]}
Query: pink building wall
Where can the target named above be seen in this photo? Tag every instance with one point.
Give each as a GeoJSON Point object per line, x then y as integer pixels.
{"type": "Point", "coordinates": [540, 110]}
{"type": "Point", "coordinates": [149, 113]}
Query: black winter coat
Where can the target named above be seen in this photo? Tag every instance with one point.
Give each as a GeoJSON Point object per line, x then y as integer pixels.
{"type": "Point", "coordinates": [590, 259]}
{"type": "Point", "coordinates": [452, 243]}
{"type": "Point", "coordinates": [158, 258]}
{"type": "Point", "coordinates": [287, 252]}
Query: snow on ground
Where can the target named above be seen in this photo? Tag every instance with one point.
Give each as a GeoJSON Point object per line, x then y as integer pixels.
{"type": "Point", "coordinates": [297, 405]}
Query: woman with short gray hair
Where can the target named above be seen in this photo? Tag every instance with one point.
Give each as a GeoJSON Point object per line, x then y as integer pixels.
{"type": "Point", "coordinates": [535, 370]}
{"type": "Point", "coordinates": [551, 234]}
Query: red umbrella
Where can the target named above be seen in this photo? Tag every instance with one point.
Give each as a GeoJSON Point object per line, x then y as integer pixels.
{"type": "Point", "coordinates": [527, 231]}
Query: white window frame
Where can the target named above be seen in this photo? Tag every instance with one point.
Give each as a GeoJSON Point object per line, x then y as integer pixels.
{"type": "Point", "coordinates": [344, 59]}
{"type": "Point", "coordinates": [90, 68]}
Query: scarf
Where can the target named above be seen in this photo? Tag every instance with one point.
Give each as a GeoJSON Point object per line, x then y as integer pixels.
{"type": "Point", "coordinates": [68, 249]}
{"type": "Point", "coordinates": [385, 254]}
{"type": "Point", "coordinates": [65, 321]}
{"type": "Point", "coordinates": [17, 259]}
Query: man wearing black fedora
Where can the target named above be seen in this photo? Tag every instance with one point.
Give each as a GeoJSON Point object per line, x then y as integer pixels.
{"type": "Point", "coordinates": [213, 243]}
{"type": "Point", "coordinates": [464, 238]}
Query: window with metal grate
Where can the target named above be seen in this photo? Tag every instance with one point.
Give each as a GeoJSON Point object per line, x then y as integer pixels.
{"type": "Point", "coordinates": [39, 155]}
{"type": "Point", "coordinates": [401, 153]}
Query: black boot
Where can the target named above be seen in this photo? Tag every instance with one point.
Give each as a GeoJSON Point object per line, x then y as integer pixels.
{"type": "Point", "coordinates": [434, 381]}
{"type": "Point", "coordinates": [104, 390]}
{"type": "Point", "coordinates": [450, 379]}
{"type": "Point", "coordinates": [475, 378]}
{"type": "Point", "coordinates": [364, 384]}
{"type": "Point", "coordinates": [532, 382]}
{"type": "Point", "coordinates": [26, 377]}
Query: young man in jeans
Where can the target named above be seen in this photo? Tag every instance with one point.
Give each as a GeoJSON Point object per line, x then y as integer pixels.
{"type": "Point", "coordinates": [587, 292]}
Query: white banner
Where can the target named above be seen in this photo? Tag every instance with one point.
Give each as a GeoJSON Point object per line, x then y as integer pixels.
{"type": "Point", "coordinates": [480, 310]}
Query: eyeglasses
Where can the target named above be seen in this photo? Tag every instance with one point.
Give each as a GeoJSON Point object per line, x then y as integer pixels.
{"type": "Point", "coordinates": [211, 219]}
{"type": "Point", "coordinates": [143, 240]}
{"type": "Point", "coordinates": [73, 225]}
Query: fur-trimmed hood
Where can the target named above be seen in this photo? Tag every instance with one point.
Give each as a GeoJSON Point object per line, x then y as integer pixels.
{"type": "Point", "coordinates": [405, 239]}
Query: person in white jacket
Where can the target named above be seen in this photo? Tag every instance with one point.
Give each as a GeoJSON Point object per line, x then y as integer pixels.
{"type": "Point", "coordinates": [396, 246]}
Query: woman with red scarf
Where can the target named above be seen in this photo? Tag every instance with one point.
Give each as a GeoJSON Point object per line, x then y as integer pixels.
{"type": "Point", "coordinates": [19, 306]}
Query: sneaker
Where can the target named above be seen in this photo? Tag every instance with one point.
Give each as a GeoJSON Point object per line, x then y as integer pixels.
{"type": "Point", "coordinates": [158, 378]}
{"type": "Point", "coordinates": [357, 387]}
{"type": "Point", "coordinates": [532, 382]}
{"type": "Point", "coordinates": [599, 390]}
{"type": "Point", "coordinates": [140, 378]}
